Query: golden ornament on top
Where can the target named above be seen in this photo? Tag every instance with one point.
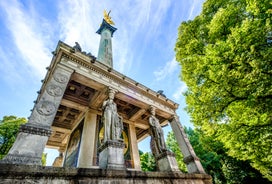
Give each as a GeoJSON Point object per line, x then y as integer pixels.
{"type": "Point", "coordinates": [107, 17]}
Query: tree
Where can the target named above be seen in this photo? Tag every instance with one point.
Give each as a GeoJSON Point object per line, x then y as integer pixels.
{"type": "Point", "coordinates": [172, 144]}
{"type": "Point", "coordinates": [225, 55]}
{"type": "Point", "coordinates": [148, 162]}
{"type": "Point", "coordinates": [215, 161]}
{"type": "Point", "coordinates": [44, 156]}
{"type": "Point", "coordinates": [9, 127]}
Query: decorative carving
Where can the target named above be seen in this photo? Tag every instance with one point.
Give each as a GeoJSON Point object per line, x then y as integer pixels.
{"type": "Point", "coordinates": [46, 108]}
{"type": "Point", "coordinates": [54, 90]}
{"type": "Point", "coordinates": [61, 78]}
{"type": "Point", "coordinates": [35, 130]}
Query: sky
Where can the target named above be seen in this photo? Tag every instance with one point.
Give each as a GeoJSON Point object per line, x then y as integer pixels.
{"type": "Point", "coordinates": [143, 45]}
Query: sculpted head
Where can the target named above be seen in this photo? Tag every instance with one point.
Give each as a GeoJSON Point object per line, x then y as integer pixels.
{"type": "Point", "coordinates": [111, 93]}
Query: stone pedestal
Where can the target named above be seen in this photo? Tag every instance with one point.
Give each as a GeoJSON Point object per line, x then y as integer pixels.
{"type": "Point", "coordinates": [111, 155]}
{"type": "Point", "coordinates": [166, 161]}
{"type": "Point", "coordinates": [29, 136]}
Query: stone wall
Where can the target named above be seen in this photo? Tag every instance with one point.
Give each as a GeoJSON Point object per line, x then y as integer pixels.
{"type": "Point", "coordinates": [37, 174]}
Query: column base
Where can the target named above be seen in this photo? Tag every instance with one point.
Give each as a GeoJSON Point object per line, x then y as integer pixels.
{"type": "Point", "coordinates": [111, 155]}
{"type": "Point", "coordinates": [166, 161]}
{"type": "Point", "coordinates": [29, 145]}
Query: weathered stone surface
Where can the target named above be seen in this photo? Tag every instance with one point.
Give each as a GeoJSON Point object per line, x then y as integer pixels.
{"type": "Point", "coordinates": [51, 175]}
{"type": "Point", "coordinates": [190, 159]}
{"type": "Point", "coordinates": [111, 155]}
{"type": "Point", "coordinates": [167, 161]}
{"type": "Point", "coordinates": [32, 137]}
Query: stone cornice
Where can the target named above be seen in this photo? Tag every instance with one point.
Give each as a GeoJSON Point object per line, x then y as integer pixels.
{"type": "Point", "coordinates": [86, 63]}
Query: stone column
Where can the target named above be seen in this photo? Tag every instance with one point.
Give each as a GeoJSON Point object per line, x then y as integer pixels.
{"type": "Point", "coordinates": [190, 159]}
{"type": "Point", "coordinates": [32, 137]}
{"type": "Point", "coordinates": [134, 147]}
{"type": "Point", "coordinates": [105, 47]}
{"type": "Point", "coordinates": [87, 144]}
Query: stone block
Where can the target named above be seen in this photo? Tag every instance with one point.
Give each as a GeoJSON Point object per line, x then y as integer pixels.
{"type": "Point", "coordinates": [167, 162]}
{"type": "Point", "coordinates": [54, 175]}
{"type": "Point", "coordinates": [111, 155]}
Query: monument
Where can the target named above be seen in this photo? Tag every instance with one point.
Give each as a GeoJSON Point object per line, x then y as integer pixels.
{"type": "Point", "coordinates": [95, 117]}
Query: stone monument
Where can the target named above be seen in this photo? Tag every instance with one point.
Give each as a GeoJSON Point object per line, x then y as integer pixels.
{"type": "Point", "coordinates": [111, 151]}
{"type": "Point", "coordinates": [95, 117]}
{"type": "Point", "coordinates": [165, 159]}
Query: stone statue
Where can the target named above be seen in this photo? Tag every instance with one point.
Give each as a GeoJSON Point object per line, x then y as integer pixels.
{"type": "Point", "coordinates": [113, 123]}
{"type": "Point", "coordinates": [157, 138]}
{"type": "Point", "coordinates": [77, 47]}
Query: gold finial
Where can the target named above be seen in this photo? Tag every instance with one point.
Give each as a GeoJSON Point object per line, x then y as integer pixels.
{"type": "Point", "coordinates": [107, 17]}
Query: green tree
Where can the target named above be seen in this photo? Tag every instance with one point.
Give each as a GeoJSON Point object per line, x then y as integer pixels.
{"type": "Point", "coordinates": [215, 161]}
{"type": "Point", "coordinates": [172, 144]}
{"type": "Point", "coordinates": [44, 156]}
{"type": "Point", "coordinates": [210, 153]}
{"type": "Point", "coordinates": [225, 55]}
{"type": "Point", "coordinates": [9, 127]}
{"type": "Point", "coordinates": [147, 161]}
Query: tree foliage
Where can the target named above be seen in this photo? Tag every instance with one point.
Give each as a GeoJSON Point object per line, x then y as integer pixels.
{"type": "Point", "coordinates": [174, 147]}
{"type": "Point", "coordinates": [44, 157]}
{"type": "Point", "coordinates": [225, 55]}
{"type": "Point", "coordinates": [147, 161]}
{"type": "Point", "coordinates": [215, 161]}
{"type": "Point", "coordinates": [9, 127]}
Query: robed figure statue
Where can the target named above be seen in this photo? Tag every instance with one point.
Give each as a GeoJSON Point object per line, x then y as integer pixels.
{"type": "Point", "coordinates": [157, 138]}
{"type": "Point", "coordinates": [112, 122]}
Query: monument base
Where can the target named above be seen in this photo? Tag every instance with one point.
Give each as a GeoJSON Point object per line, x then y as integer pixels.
{"type": "Point", "coordinates": [111, 155]}
{"type": "Point", "coordinates": [53, 175]}
{"type": "Point", "coordinates": [167, 162]}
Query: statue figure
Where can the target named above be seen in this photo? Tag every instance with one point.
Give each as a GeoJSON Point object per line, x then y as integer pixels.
{"type": "Point", "coordinates": [113, 123]}
{"type": "Point", "coordinates": [77, 47]}
{"type": "Point", "coordinates": [107, 17]}
{"type": "Point", "coordinates": [157, 138]}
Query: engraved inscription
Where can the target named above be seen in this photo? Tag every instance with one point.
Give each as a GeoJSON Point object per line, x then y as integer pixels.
{"type": "Point", "coordinates": [54, 90]}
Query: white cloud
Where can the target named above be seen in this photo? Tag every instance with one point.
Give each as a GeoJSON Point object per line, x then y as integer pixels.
{"type": "Point", "coordinates": [26, 32]}
{"type": "Point", "coordinates": [79, 20]}
{"type": "Point", "coordinates": [166, 70]}
{"type": "Point", "coordinates": [181, 89]}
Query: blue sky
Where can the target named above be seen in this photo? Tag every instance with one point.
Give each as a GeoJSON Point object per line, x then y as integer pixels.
{"type": "Point", "coordinates": [143, 45]}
